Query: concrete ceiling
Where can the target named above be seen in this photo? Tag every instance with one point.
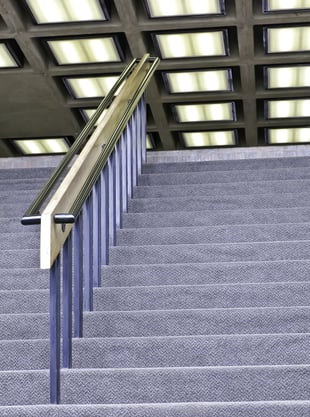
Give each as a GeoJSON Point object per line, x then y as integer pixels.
{"type": "Point", "coordinates": [34, 102]}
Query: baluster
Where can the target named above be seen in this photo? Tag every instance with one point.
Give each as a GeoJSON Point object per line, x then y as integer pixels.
{"type": "Point", "coordinates": [112, 197]}
{"type": "Point", "coordinates": [55, 332]}
{"type": "Point", "coordinates": [78, 276]}
{"type": "Point", "coordinates": [124, 172]}
{"type": "Point", "coordinates": [96, 234]}
{"type": "Point", "coordinates": [88, 254]}
{"type": "Point", "coordinates": [129, 159]}
{"type": "Point", "coordinates": [67, 302]}
{"type": "Point", "coordinates": [118, 179]}
{"type": "Point", "coordinates": [134, 150]}
{"type": "Point", "coordinates": [139, 138]}
{"type": "Point", "coordinates": [104, 183]}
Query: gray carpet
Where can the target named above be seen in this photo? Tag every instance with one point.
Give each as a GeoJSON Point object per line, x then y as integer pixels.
{"type": "Point", "coordinates": [203, 311]}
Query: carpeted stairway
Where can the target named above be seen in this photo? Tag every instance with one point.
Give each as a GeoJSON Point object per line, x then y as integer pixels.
{"type": "Point", "coordinates": [204, 309]}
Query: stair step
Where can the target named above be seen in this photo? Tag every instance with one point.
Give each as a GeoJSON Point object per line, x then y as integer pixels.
{"type": "Point", "coordinates": [224, 165]}
{"type": "Point", "coordinates": [21, 184]}
{"type": "Point", "coordinates": [204, 253]}
{"type": "Point", "coordinates": [201, 409]}
{"type": "Point", "coordinates": [17, 258]}
{"type": "Point", "coordinates": [213, 234]}
{"type": "Point", "coordinates": [220, 217]}
{"type": "Point", "coordinates": [167, 322]}
{"type": "Point", "coordinates": [222, 202]}
{"type": "Point", "coordinates": [25, 173]}
{"type": "Point", "coordinates": [230, 176]}
{"type": "Point", "coordinates": [205, 273]}
{"type": "Point", "coordinates": [20, 240]}
{"type": "Point", "coordinates": [23, 279]}
{"type": "Point", "coordinates": [13, 225]}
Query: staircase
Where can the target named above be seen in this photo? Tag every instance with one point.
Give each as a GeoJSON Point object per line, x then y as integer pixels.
{"type": "Point", "coordinates": [204, 309]}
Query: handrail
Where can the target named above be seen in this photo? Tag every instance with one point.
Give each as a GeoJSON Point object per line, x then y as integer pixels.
{"type": "Point", "coordinates": [80, 219]}
{"type": "Point", "coordinates": [32, 214]}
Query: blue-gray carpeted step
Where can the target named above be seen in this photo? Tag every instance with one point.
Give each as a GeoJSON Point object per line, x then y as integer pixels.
{"type": "Point", "coordinates": [13, 225]}
{"type": "Point", "coordinates": [167, 322]}
{"type": "Point", "coordinates": [161, 385]}
{"type": "Point", "coordinates": [218, 217]}
{"type": "Point", "coordinates": [25, 173]}
{"type": "Point", "coordinates": [235, 176]}
{"type": "Point", "coordinates": [213, 234]}
{"type": "Point", "coordinates": [164, 351]}
{"type": "Point", "coordinates": [17, 258]}
{"type": "Point", "coordinates": [224, 202]}
{"type": "Point", "coordinates": [202, 273]}
{"type": "Point", "coordinates": [18, 185]}
{"type": "Point", "coordinates": [202, 409]}
{"type": "Point", "coordinates": [23, 279]}
{"type": "Point", "coordinates": [229, 164]}
{"type": "Point", "coordinates": [20, 240]}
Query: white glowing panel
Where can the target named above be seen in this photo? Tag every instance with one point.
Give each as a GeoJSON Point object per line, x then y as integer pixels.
{"type": "Point", "coordinates": [185, 82]}
{"type": "Point", "coordinates": [288, 39]}
{"type": "Point", "coordinates": [90, 112]}
{"type": "Point", "coordinates": [58, 11]}
{"type": "Point", "coordinates": [205, 139]}
{"type": "Point", "coordinates": [42, 146]}
{"type": "Point", "coordinates": [82, 51]}
{"type": "Point", "coordinates": [183, 45]}
{"type": "Point", "coordinates": [205, 112]}
{"type": "Point", "coordinates": [149, 144]}
{"type": "Point", "coordinates": [165, 8]}
{"type": "Point", "coordinates": [6, 58]}
{"type": "Point", "coordinates": [288, 108]}
{"type": "Point", "coordinates": [292, 135]}
{"type": "Point", "coordinates": [288, 77]}
{"type": "Point", "coordinates": [278, 5]}
{"type": "Point", "coordinates": [91, 87]}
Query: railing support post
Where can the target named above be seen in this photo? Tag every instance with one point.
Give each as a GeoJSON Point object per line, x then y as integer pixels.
{"type": "Point", "coordinates": [67, 303]}
{"type": "Point", "coordinates": [78, 276]}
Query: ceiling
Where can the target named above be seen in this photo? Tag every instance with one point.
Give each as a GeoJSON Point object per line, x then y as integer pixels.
{"type": "Point", "coordinates": [35, 102]}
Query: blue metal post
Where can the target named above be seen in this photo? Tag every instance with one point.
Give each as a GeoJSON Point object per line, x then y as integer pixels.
{"type": "Point", "coordinates": [124, 172]}
{"type": "Point", "coordinates": [143, 127]}
{"type": "Point", "coordinates": [88, 254]}
{"type": "Point", "coordinates": [104, 184]}
{"type": "Point", "coordinates": [78, 276]}
{"type": "Point", "coordinates": [67, 303]}
{"type": "Point", "coordinates": [97, 234]}
{"type": "Point", "coordinates": [112, 200]}
{"type": "Point", "coordinates": [134, 149]}
{"type": "Point", "coordinates": [55, 332]}
{"type": "Point", "coordinates": [129, 159]}
{"type": "Point", "coordinates": [118, 179]}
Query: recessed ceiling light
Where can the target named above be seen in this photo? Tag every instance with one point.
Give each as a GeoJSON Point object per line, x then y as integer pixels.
{"type": "Point", "coordinates": [204, 112]}
{"type": "Point", "coordinates": [185, 45]}
{"type": "Point", "coordinates": [83, 51]}
{"type": "Point", "coordinates": [288, 108]}
{"type": "Point", "coordinates": [165, 8]}
{"type": "Point", "coordinates": [288, 39]}
{"type": "Point", "coordinates": [205, 139]}
{"type": "Point", "coordinates": [42, 146]}
{"type": "Point", "coordinates": [6, 58]}
{"type": "Point", "coordinates": [288, 77]}
{"type": "Point", "coordinates": [291, 135]}
{"type": "Point", "coordinates": [88, 113]}
{"type": "Point", "coordinates": [90, 86]}
{"type": "Point", "coordinates": [280, 5]}
{"type": "Point", "coordinates": [58, 11]}
{"type": "Point", "coordinates": [210, 80]}
{"type": "Point", "coordinates": [149, 142]}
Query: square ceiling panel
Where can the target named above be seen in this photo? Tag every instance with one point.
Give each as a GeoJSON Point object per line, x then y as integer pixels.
{"type": "Point", "coordinates": [87, 87]}
{"type": "Point", "coordinates": [287, 39]}
{"type": "Point", "coordinates": [7, 58]}
{"type": "Point", "coordinates": [209, 139]}
{"type": "Point", "coordinates": [65, 11]}
{"type": "Point", "coordinates": [42, 146]}
{"type": "Point", "coordinates": [288, 76]}
{"type": "Point", "coordinates": [205, 112]}
{"type": "Point", "coordinates": [84, 51]}
{"type": "Point", "coordinates": [288, 108]}
{"type": "Point", "coordinates": [166, 8]}
{"type": "Point", "coordinates": [189, 45]}
{"type": "Point", "coordinates": [286, 5]}
{"type": "Point", "coordinates": [288, 135]}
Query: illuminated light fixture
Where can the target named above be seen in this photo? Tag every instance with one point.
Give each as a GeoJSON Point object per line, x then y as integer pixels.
{"type": "Point", "coordinates": [210, 80]}
{"type": "Point", "coordinates": [42, 146]}
{"type": "Point", "coordinates": [288, 108]}
{"type": "Point", "coordinates": [288, 77]}
{"type": "Point", "coordinates": [288, 39]}
{"type": "Point", "coordinates": [291, 135]}
{"type": "Point", "coordinates": [205, 112]}
{"type": "Point", "coordinates": [205, 139]}
{"type": "Point", "coordinates": [64, 11]}
{"type": "Point", "coordinates": [165, 8]}
{"type": "Point", "coordinates": [84, 51]}
{"type": "Point", "coordinates": [90, 87]}
{"type": "Point", "coordinates": [185, 45]}
{"type": "Point", "coordinates": [88, 113]}
{"type": "Point", "coordinates": [6, 58]}
{"type": "Point", "coordinates": [280, 5]}
{"type": "Point", "coordinates": [149, 144]}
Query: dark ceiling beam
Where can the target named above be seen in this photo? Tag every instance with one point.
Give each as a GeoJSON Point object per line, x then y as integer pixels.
{"type": "Point", "coordinates": [244, 15]}
{"type": "Point", "coordinates": [129, 17]}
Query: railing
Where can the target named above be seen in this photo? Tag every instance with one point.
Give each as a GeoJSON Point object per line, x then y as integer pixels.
{"type": "Point", "coordinates": [80, 220]}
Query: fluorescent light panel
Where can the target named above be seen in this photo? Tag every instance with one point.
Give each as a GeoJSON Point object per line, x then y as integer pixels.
{"type": "Point", "coordinates": [60, 11]}
{"type": "Point", "coordinates": [166, 8]}
{"type": "Point", "coordinates": [42, 146]}
{"type": "Point", "coordinates": [288, 77]}
{"type": "Point", "coordinates": [149, 145]}
{"type": "Point", "coordinates": [288, 39]}
{"type": "Point", "coordinates": [82, 51]}
{"type": "Point", "coordinates": [6, 58]}
{"type": "Point", "coordinates": [288, 108]}
{"type": "Point", "coordinates": [279, 5]}
{"type": "Point", "coordinates": [91, 87]}
{"type": "Point", "coordinates": [291, 135]}
{"type": "Point", "coordinates": [205, 112]}
{"type": "Point", "coordinates": [186, 82]}
{"type": "Point", "coordinates": [88, 113]}
{"type": "Point", "coordinates": [184, 45]}
{"type": "Point", "coordinates": [206, 139]}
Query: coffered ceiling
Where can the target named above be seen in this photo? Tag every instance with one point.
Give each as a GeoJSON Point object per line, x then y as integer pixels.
{"type": "Point", "coordinates": [232, 73]}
